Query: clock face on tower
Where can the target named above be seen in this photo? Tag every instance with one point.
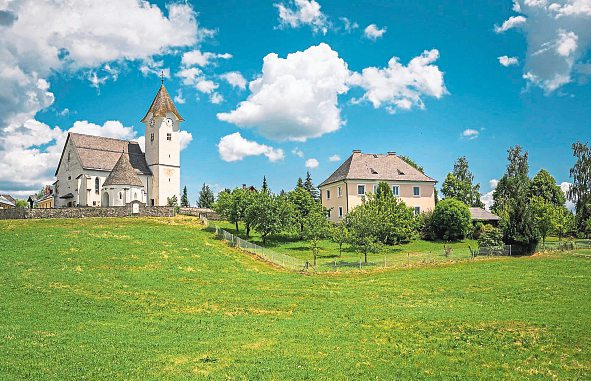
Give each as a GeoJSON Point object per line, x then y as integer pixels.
{"type": "Point", "coordinates": [169, 122]}
{"type": "Point", "coordinates": [152, 121]}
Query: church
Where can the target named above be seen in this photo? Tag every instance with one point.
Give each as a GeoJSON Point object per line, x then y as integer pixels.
{"type": "Point", "coordinates": [98, 171]}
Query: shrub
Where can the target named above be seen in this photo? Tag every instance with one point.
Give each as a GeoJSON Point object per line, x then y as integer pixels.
{"type": "Point", "coordinates": [490, 236]}
{"type": "Point", "coordinates": [451, 219]}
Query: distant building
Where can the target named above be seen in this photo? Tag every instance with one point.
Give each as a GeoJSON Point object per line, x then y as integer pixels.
{"type": "Point", "coordinates": [361, 173]}
{"type": "Point", "coordinates": [484, 216]}
{"type": "Point", "coordinates": [98, 171]}
{"type": "Point", "coordinates": [46, 200]}
{"type": "Point", "coordinates": [7, 202]}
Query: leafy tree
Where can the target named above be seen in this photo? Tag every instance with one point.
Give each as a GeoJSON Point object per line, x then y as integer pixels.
{"type": "Point", "coordinates": [511, 202]}
{"type": "Point", "coordinates": [426, 226]}
{"type": "Point", "coordinates": [363, 222]}
{"type": "Point", "coordinates": [21, 203]}
{"type": "Point", "coordinates": [451, 219]}
{"type": "Point", "coordinates": [302, 203]}
{"type": "Point", "coordinates": [271, 214]}
{"type": "Point", "coordinates": [206, 197]}
{"type": "Point", "coordinates": [265, 187]}
{"type": "Point", "coordinates": [490, 236]}
{"type": "Point", "coordinates": [544, 212]}
{"type": "Point", "coordinates": [309, 186]}
{"type": "Point", "coordinates": [227, 206]}
{"type": "Point", "coordinates": [459, 185]}
{"type": "Point", "coordinates": [544, 185]}
{"type": "Point", "coordinates": [412, 163]}
{"type": "Point", "coordinates": [316, 227]}
{"type": "Point", "coordinates": [340, 234]}
{"type": "Point", "coordinates": [185, 198]}
{"type": "Point", "coordinates": [398, 223]}
{"type": "Point", "coordinates": [174, 202]}
{"type": "Point", "coordinates": [384, 192]}
{"type": "Point", "coordinates": [563, 221]}
{"type": "Point", "coordinates": [580, 191]}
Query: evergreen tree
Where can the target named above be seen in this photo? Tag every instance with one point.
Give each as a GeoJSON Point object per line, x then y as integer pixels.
{"type": "Point", "coordinates": [185, 198]}
{"type": "Point", "coordinates": [459, 185]}
{"type": "Point", "coordinates": [309, 186]}
{"type": "Point", "coordinates": [265, 187]}
{"type": "Point", "coordinates": [544, 185]}
{"type": "Point", "coordinates": [580, 191]}
{"type": "Point", "coordinates": [300, 183]}
{"type": "Point", "coordinates": [206, 197]}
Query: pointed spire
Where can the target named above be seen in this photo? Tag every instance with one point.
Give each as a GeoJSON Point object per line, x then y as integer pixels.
{"type": "Point", "coordinates": [161, 105]}
{"type": "Point", "coordinates": [123, 173]}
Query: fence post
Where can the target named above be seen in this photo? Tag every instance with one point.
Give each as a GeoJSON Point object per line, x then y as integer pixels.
{"type": "Point", "coordinates": [359, 262]}
{"type": "Point", "coordinates": [510, 250]}
{"type": "Point", "coordinates": [384, 260]}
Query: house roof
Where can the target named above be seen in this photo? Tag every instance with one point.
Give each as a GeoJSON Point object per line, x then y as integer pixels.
{"type": "Point", "coordinates": [4, 200]}
{"type": "Point", "coordinates": [123, 173]}
{"type": "Point", "coordinates": [9, 198]}
{"type": "Point", "coordinates": [479, 214]}
{"type": "Point", "coordinates": [367, 166]}
{"type": "Point", "coordinates": [161, 105]}
{"type": "Point", "coordinates": [99, 153]}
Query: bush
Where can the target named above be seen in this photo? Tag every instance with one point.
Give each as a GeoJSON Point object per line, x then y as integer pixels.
{"type": "Point", "coordinates": [426, 227]}
{"type": "Point", "coordinates": [490, 236]}
{"type": "Point", "coordinates": [476, 230]}
{"type": "Point", "coordinates": [451, 220]}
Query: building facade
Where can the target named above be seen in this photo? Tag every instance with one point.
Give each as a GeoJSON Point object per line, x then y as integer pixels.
{"type": "Point", "coordinates": [360, 175]}
{"type": "Point", "coordinates": [99, 171]}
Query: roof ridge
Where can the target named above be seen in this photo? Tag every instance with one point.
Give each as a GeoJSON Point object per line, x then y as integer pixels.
{"type": "Point", "coordinates": [103, 137]}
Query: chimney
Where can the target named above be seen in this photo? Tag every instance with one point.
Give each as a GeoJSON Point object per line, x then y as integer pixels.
{"type": "Point", "coordinates": [356, 151]}
{"type": "Point", "coordinates": [392, 153]}
{"type": "Point", "coordinates": [243, 186]}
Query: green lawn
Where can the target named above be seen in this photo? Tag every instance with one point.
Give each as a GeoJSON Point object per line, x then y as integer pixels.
{"type": "Point", "coordinates": [162, 299]}
{"type": "Point", "coordinates": [415, 252]}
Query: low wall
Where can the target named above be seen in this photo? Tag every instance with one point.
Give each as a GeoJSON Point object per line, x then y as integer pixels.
{"type": "Point", "coordinates": [85, 212]}
{"type": "Point", "coordinates": [210, 214]}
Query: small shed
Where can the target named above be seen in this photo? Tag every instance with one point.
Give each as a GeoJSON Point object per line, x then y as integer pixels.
{"type": "Point", "coordinates": [484, 216]}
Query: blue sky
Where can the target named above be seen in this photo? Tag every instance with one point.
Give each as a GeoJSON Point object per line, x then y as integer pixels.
{"type": "Point", "coordinates": [499, 106]}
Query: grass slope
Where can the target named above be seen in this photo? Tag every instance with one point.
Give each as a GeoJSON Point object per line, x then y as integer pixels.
{"type": "Point", "coordinates": [150, 299]}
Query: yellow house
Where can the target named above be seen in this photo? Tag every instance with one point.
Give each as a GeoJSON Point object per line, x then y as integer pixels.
{"type": "Point", "coordinates": [361, 173]}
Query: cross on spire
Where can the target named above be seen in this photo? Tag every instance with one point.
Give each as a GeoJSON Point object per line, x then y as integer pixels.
{"type": "Point", "coordinates": [162, 77]}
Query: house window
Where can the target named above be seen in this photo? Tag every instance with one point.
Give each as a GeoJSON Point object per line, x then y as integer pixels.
{"type": "Point", "coordinates": [97, 184]}
{"type": "Point", "coordinates": [328, 212]}
{"type": "Point", "coordinates": [417, 210]}
{"type": "Point", "coordinates": [416, 191]}
{"type": "Point", "coordinates": [360, 189]}
{"type": "Point", "coordinates": [396, 190]}
{"type": "Point", "coordinates": [169, 136]}
{"type": "Point", "coordinates": [375, 188]}
{"type": "Point", "coordinates": [152, 137]}
{"type": "Point", "coordinates": [339, 191]}
{"type": "Point", "coordinates": [328, 194]}
{"type": "Point", "coordinates": [340, 212]}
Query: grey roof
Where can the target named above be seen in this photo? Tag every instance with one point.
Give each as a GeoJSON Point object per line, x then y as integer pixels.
{"type": "Point", "coordinates": [97, 152]}
{"type": "Point", "coordinates": [9, 198]}
{"type": "Point", "coordinates": [367, 166]}
{"type": "Point", "coordinates": [161, 105]}
{"type": "Point", "coordinates": [479, 214]}
{"type": "Point", "coordinates": [123, 173]}
{"type": "Point", "coordinates": [6, 201]}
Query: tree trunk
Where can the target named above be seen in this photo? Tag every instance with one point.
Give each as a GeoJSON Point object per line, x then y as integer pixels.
{"type": "Point", "coordinates": [248, 230]}
{"type": "Point", "coordinates": [365, 253]}
{"type": "Point", "coordinates": [236, 227]}
{"type": "Point", "coordinates": [314, 259]}
{"type": "Point", "coordinates": [340, 249]}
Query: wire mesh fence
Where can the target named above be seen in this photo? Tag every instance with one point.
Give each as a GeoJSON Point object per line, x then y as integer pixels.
{"type": "Point", "coordinates": [565, 245]}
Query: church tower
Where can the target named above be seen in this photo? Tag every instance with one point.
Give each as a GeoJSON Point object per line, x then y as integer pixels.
{"type": "Point", "coordinates": [163, 149]}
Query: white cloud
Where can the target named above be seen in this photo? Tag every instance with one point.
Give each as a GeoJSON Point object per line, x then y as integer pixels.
{"type": "Point", "coordinates": [334, 158]}
{"type": "Point", "coordinates": [195, 78]}
{"type": "Point", "coordinates": [302, 12]}
{"type": "Point", "coordinates": [198, 58]}
{"type": "Point", "coordinates": [206, 86]}
{"type": "Point", "coordinates": [487, 198]}
{"type": "Point", "coordinates": [493, 183]}
{"type": "Point", "coordinates": [150, 66]}
{"type": "Point", "coordinates": [297, 152]}
{"type": "Point", "coordinates": [234, 147]}
{"type": "Point", "coordinates": [565, 187]}
{"type": "Point", "coordinates": [312, 163]}
{"type": "Point", "coordinates": [508, 61]}
{"type": "Point", "coordinates": [178, 98]}
{"type": "Point", "coordinates": [373, 32]}
{"type": "Point", "coordinates": [295, 98]}
{"type": "Point", "coordinates": [235, 79]}
{"type": "Point", "coordinates": [185, 139]}
{"type": "Point", "coordinates": [216, 98]}
{"type": "Point", "coordinates": [402, 87]}
{"type": "Point", "coordinates": [558, 37]}
{"type": "Point", "coordinates": [510, 23]}
{"type": "Point", "coordinates": [40, 38]}
{"type": "Point", "coordinates": [470, 134]}
{"type": "Point", "coordinates": [348, 24]}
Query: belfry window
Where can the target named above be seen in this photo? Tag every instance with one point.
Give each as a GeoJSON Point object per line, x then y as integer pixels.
{"type": "Point", "coordinates": [152, 137]}
{"type": "Point", "coordinates": [169, 136]}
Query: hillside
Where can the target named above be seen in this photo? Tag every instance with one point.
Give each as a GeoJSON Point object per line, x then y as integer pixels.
{"type": "Point", "coordinates": [163, 299]}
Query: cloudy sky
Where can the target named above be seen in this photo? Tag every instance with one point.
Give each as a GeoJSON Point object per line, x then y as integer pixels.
{"type": "Point", "coordinates": [280, 87]}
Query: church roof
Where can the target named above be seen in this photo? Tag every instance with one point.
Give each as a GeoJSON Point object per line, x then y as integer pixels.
{"type": "Point", "coordinates": [123, 173]}
{"type": "Point", "coordinates": [368, 166]}
{"type": "Point", "coordinates": [99, 153]}
{"type": "Point", "coordinates": [161, 105]}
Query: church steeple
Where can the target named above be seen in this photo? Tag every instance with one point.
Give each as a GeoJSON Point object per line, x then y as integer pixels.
{"type": "Point", "coordinates": [161, 105]}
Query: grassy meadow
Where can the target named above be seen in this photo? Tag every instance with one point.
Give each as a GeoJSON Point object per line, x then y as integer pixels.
{"type": "Point", "coordinates": [162, 299]}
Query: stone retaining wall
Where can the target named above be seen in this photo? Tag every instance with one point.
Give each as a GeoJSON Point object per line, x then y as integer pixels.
{"type": "Point", "coordinates": [84, 212]}
{"type": "Point", "coordinates": [210, 214]}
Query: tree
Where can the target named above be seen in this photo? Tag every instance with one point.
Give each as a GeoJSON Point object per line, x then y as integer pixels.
{"type": "Point", "coordinates": [300, 183]}
{"type": "Point", "coordinates": [228, 208]}
{"type": "Point", "coordinates": [384, 192]}
{"type": "Point", "coordinates": [511, 202]}
{"type": "Point", "coordinates": [174, 202]}
{"type": "Point", "coordinates": [316, 227]}
{"type": "Point", "coordinates": [544, 185]}
{"type": "Point", "coordinates": [563, 221]}
{"type": "Point", "coordinates": [21, 204]}
{"type": "Point", "coordinates": [206, 197]}
{"type": "Point", "coordinates": [459, 185]}
{"type": "Point", "coordinates": [412, 163]}
{"type": "Point", "coordinates": [265, 187]}
{"type": "Point", "coordinates": [544, 212]}
{"type": "Point", "coordinates": [302, 203]}
{"type": "Point", "coordinates": [580, 191]}
{"type": "Point", "coordinates": [309, 186]}
{"type": "Point", "coordinates": [185, 198]}
{"type": "Point", "coordinates": [363, 222]}
{"type": "Point", "coordinates": [490, 236]}
{"type": "Point", "coordinates": [451, 219]}
{"type": "Point", "coordinates": [271, 214]}
{"type": "Point", "coordinates": [340, 234]}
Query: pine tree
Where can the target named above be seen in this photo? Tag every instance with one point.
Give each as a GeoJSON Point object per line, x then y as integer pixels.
{"type": "Point", "coordinates": [300, 183]}
{"type": "Point", "coordinates": [265, 187]}
{"type": "Point", "coordinates": [309, 186]}
{"type": "Point", "coordinates": [206, 197]}
{"type": "Point", "coordinates": [185, 198]}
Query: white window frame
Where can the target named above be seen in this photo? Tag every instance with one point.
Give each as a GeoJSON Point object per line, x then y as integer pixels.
{"type": "Point", "coordinates": [339, 192]}
{"type": "Point", "coordinates": [417, 212]}
{"type": "Point", "coordinates": [340, 212]}
{"type": "Point", "coordinates": [413, 191]}
{"type": "Point", "coordinates": [328, 194]}
{"type": "Point", "coordinates": [364, 190]}
{"type": "Point", "coordinates": [397, 187]}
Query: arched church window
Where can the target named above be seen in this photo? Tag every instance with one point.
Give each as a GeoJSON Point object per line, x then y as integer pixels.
{"type": "Point", "coordinates": [97, 184]}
